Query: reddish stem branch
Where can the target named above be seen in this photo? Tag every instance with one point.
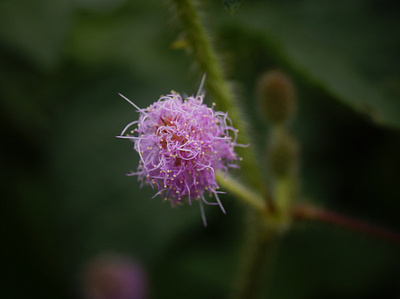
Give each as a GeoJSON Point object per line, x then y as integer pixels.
{"type": "Point", "coordinates": [319, 214]}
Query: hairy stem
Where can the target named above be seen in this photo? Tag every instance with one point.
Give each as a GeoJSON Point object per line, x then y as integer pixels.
{"type": "Point", "coordinates": [200, 46]}
{"type": "Point", "coordinates": [257, 259]}
{"type": "Point", "coordinates": [262, 232]}
{"type": "Point", "coordinates": [322, 215]}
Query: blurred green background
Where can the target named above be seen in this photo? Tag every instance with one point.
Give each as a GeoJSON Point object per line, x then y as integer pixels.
{"type": "Point", "coordinates": [65, 197]}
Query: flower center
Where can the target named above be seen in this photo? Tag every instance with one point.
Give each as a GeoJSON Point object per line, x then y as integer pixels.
{"type": "Point", "coordinates": [169, 138]}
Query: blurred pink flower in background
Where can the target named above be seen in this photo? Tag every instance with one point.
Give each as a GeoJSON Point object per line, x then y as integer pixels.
{"type": "Point", "coordinates": [113, 276]}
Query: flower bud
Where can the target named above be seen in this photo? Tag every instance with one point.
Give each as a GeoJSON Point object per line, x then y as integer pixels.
{"type": "Point", "coordinates": [283, 154]}
{"type": "Point", "coordinates": [277, 97]}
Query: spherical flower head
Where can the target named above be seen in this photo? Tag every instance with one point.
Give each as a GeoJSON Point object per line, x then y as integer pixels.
{"type": "Point", "coordinates": [181, 144]}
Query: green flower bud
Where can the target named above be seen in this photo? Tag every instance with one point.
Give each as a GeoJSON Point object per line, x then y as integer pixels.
{"type": "Point", "coordinates": [277, 97]}
{"type": "Point", "coordinates": [283, 154]}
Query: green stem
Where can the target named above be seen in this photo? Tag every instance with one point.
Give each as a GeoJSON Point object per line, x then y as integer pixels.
{"type": "Point", "coordinates": [275, 219]}
{"type": "Point", "coordinates": [241, 191]}
{"type": "Point", "coordinates": [201, 48]}
{"type": "Point", "coordinates": [260, 246]}
{"type": "Point", "coordinates": [263, 228]}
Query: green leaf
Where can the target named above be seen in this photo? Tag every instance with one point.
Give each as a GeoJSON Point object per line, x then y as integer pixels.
{"type": "Point", "coordinates": [345, 49]}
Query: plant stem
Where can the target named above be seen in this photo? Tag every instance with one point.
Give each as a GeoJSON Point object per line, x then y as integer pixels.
{"type": "Point", "coordinates": [322, 215]}
{"type": "Point", "coordinates": [200, 46]}
{"type": "Point", "coordinates": [241, 192]}
{"type": "Point", "coordinates": [261, 231]}
{"type": "Point", "coordinates": [261, 246]}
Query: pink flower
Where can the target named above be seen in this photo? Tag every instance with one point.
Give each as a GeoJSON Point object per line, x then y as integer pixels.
{"type": "Point", "coordinates": [112, 276]}
{"type": "Point", "coordinates": [181, 144]}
